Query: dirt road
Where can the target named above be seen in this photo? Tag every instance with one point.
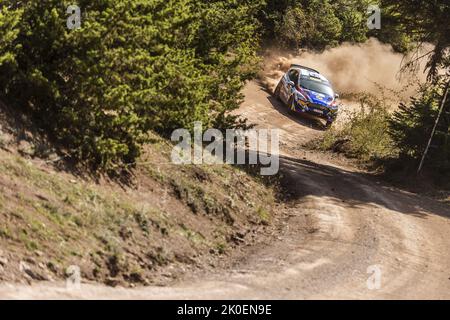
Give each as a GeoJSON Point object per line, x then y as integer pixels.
{"type": "Point", "coordinates": [348, 235]}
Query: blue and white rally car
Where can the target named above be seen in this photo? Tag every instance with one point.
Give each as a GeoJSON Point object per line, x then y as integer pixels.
{"type": "Point", "coordinates": [305, 90]}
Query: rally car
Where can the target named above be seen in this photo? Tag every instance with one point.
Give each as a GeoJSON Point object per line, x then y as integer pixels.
{"type": "Point", "coordinates": [305, 90]}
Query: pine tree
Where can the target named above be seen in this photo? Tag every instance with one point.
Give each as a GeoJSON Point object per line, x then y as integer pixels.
{"type": "Point", "coordinates": [411, 127]}
{"type": "Point", "coordinates": [133, 66]}
{"type": "Point", "coordinates": [9, 19]}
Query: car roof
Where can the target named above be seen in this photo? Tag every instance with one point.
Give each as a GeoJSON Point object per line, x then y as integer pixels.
{"type": "Point", "coordinates": [308, 73]}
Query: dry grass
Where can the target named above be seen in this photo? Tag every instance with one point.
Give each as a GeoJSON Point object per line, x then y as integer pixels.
{"type": "Point", "coordinates": [123, 234]}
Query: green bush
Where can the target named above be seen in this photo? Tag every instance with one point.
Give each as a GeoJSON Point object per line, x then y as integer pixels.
{"type": "Point", "coordinates": [225, 42]}
{"type": "Point", "coordinates": [411, 126]}
{"type": "Point", "coordinates": [352, 15]}
{"type": "Point", "coordinates": [316, 24]}
{"type": "Point", "coordinates": [312, 24]}
{"type": "Point", "coordinates": [409, 24]}
{"type": "Point", "coordinates": [396, 141]}
{"type": "Point", "coordinates": [133, 66]}
{"type": "Point", "coordinates": [365, 135]}
{"type": "Point", "coordinates": [9, 19]}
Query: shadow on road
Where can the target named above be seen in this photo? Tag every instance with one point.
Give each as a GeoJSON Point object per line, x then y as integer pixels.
{"type": "Point", "coordinates": [303, 178]}
{"type": "Point", "coordinates": [348, 188]}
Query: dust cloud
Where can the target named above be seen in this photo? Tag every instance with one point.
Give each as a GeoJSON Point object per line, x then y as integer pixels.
{"type": "Point", "coordinates": [371, 67]}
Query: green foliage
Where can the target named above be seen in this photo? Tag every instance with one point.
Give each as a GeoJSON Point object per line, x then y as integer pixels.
{"type": "Point", "coordinates": [352, 15]}
{"type": "Point", "coordinates": [313, 24]}
{"type": "Point", "coordinates": [225, 43]}
{"type": "Point", "coordinates": [319, 24]}
{"type": "Point", "coordinates": [272, 14]}
{"type": "Point", "coordinates": [133, 66]}
{"type": "Point", "coordinates": [316, 24]}
{"type": "Point", "coordinates": [411, 126]}
{"type": "Point", "coordinates": [365, 135]}
{"type": "Point", "coordinates": [393, 32]}
{"type": "Point", "coordinates": [396, 141]}
{"type": "Point", "coordinates": [8, 33]}
{"type": "Point", "coordinates": [421, 21]}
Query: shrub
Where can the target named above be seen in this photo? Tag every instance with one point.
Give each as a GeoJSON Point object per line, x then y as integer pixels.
{"type": "Point", "coordinates": [365, 135]}
{"type": "Point", "coordinates": [9, 19]}
{"type": "Point", "coordinates": [352, 15]}
{"type": "Point", "coordinates": [316, 24]}
{"type": "Point", "coordinates": [319, 24]}
{"type": "Point", "coordinates": [411, 126]}
{"type": "Point", "coordinates": [133, 66]}
{"type": "Point", "coordinates": [312, 24]}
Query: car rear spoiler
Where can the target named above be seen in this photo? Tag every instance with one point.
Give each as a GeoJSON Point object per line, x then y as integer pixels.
{"type": "Point", "coordinates": [303, 67]}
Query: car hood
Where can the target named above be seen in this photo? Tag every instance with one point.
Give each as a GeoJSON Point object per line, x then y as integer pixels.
{"type": "Point", "coordinates": [319, 98]}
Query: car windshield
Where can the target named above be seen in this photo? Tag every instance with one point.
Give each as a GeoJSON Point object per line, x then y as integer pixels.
{"type": "Point", "coordinates": [316, 86]}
